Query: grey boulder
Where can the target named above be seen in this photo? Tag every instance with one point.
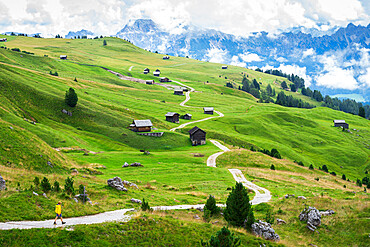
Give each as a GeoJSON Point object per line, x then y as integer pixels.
{"type": "Point", "coordinates": [312, 216]}
{"type": "Point", "coordinates": [116, 183]}
{"type": "Point", "coordinates": [2, 183]}
{"type": "Point", "coordinates": [264, 230]}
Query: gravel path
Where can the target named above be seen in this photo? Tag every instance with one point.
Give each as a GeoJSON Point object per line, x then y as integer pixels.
{"type": "Point", "coordinates": [130, 68]}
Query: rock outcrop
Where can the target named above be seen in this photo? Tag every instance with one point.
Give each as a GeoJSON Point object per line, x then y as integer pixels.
{"type": "Point", "coordinates": [2, 183]}
{"type": "Point", "coordinates": [280, 221]}
{"type": "Point", "coordinates": [327, 212]}
{"type": "Point", "coordinates": [312, 216]}
{"type": "Point", "coordinates": [288, 195]}
{"type": "Point", "coordinates": [130, 184]}
{"type": "Point", "coordinates": [136, 201]}
{"type": "Point", "coordinates": [264, 230]}
{"type": "Point", "coordinates": [116, 183]}
{"type": "Point", "coordinates": [135, 164]}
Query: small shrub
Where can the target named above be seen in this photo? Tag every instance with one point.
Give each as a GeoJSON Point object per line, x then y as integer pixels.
{"type": "Point", "coordinates": [300, 163]}
{"type": "Point", "coordinates": [253, 149]}
{"type": "Point", "coordinates": [344, 186]}
{"type": "Point", "coordinates": [75, 79]}
{"type": "Point", "coordinates": [81, 190]}
{"type": "Point", "coordinates": [275, 153]}
{"type": "Point", "coordinates": [358, 183]}
{"type": "Point", "coordinates": [325, 168]}
{"type": "Point", "coordinates": [68, 186]}
{"type": "Point", "coordinates": [280, 211]}
{"type": "Point", "coordinates": [36, 182]}
{"type": "Point", "coordinates": [333, 173]}
{"type": "Point", "coordinates": [145, 206]}
{"type": "Point", "coordinates": [223, 238]}
{"type": "Point", "coordinates": [344, 177]}
{"type": "Point", "coordinates": [211, 206]}
{"type": "Point", "coordinates": [269, 218]}
{"type": "Point", "coordinates": [311, 167]}
{"type": "Point", "coordinates": [272, 167]}
{"type": "Point", "coordinates": [16, 49]}
{"type": "Point", "coordinates": [317, 179]}
{"type": "Point", "coordinates": [45, 185]}
{"type": "Point", "coordinates": [56, 187]}
{"type": "Point", "coordinates": [71, 97]}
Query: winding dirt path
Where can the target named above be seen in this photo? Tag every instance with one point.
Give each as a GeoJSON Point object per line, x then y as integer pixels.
{"type": "Point", "coordinates": [120, 215]}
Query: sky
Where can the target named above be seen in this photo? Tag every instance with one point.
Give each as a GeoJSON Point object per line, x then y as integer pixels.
{"type": "Point", "coordinates": [238, 17]}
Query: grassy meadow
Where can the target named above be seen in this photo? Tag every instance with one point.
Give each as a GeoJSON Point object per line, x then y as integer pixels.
{"type": "Point", "coordinates": [97, 142]}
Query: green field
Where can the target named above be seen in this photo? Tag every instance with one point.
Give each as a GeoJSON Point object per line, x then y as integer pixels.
{"type": "Point", "coordinates": [174, 172]}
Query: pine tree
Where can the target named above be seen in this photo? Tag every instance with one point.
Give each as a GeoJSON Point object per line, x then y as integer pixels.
{"type": "Point", "coordinates": [36, 182]}
{"type": "Point", "coordinates": [344, 177]}
{"type": "Point", "coordinates": [71, 97]}
{"type": "Point", "coordinates": [284, 85]}
{"type": "Point", "coordinates": [238, 211]}
{"type": "Point", "coordinates": [45, 185]}
{"type": "Point", "coordinates": [56, 187]}
{"type": "Point", "coordinates": [223, 238]}
{"type": "Point", "coordinates": [68, 186]}
{"type": "Point", "coordinates": [104, 42]}
{"type": "Point", "coordinates": [272, 167]}
{"type": "Point", "coordinates": [211, 206]}
{"type": "Point", "coordinates": [361, 112]}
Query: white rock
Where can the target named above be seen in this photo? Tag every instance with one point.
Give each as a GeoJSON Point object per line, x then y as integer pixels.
{"type": "Point", "coordinates": [33, 192]}
{"type": "Point", "coordinates": [302, 197]}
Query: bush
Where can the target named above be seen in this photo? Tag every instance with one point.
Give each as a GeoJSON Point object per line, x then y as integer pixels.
{"type": "Point", "coordinates": [145, 206]}
{"type": "Point", "coordinates": [300, 163]}
{"type": "Point", "coordinates": [223, 238]}
{"type": "Point", "coordinates": [68, 186]}
{"type": "Point", "coordinates": [45, 185]}
{"type": "Point", "coordinates": [211, 206]}
{"type": "Point", "coordinates": [333, 173]}
{"type": "Point", "coordinates": [56, 187]}
{"type": "Point", "coordinates": [275, 153]}
{"type": "Point", "coordinates": [358, 183]}
{"type": "Point", "coordinates": [344, 177]}
{"type": "Point", "coordinates": [36, 182]}
{"type": "Point", "coordinates": [16, 49]}
{"type": "Point", "coordinates": [272, 167]}
{"type": "Point", "coordinates": [317, 179]}
{"type": "Point", "coordinates": [269, 218]}
{"type": "Point", "coordinates": [311, 167]}
{"type": "Point", "coordinates": [71, 97]}
{"type": "Point", "coordinates": [325, 168]}
{"type": "Point", "coordinates": [238, 211]}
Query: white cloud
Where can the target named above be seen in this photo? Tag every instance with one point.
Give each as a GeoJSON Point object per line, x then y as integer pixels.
{"type": "Point", "coordinates": [236, 61]}
{"type": "Point", "coordinates": [308, 52]}
{"type": "Point", "coordinates": [365, 78]}
{"type": "Point", "coordinates": [238, 17]}
{"type": "Point", "coordinates": [293, 69]}
{"type": "Point", "coordinates": [337, 78]}
{"type": "Point", "coordinates": [216, 55]}
{"type": "Point", "coordinates": [250, 57]}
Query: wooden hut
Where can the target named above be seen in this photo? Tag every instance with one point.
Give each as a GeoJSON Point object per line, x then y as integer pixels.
{"type": "Point", "coordinates": [197, 136]}
{"type": "Point", "coordinates": [157, 72]}
{"type": "Point", "coordinates": [64, 57]}
{"type": "Point", "coordinates": [149, 82]}
{"type": "Point", "coordinates": [173, 117]}
{"type": "Point", "coordinates": [146, 71]}
{"type": "Point", "coordinates": [164, 79]}
{"type": "Point", "coordinates": [166, 57]}
{"type": "Point", "coordinates": [187, 116]}
{"type": "Point", "coordinates": [208, 110]}
{"type": "Point", "coordinates": [178, 92]}
{"type": "Point", "coordinates": [3, 40]}
{"type": "Point", "coordinates": [224, 67]}
{"type": "Point", "coordinates": [141, 125]}
{"type": "Point", "coordinates": [341, 123]}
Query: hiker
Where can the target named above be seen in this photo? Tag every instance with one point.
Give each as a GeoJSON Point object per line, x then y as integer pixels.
{"type": "Point", "coordinates": [58, 211]}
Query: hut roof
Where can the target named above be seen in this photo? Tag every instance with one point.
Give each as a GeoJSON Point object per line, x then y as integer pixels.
{"type": "Point", "coordinates": [339, 121]}
{"type": "Point", "coordinates": [171, 114]}
{"type": "Point", "coordinates": [188, 114]}
{"type": "Point", "coordinates": [195, 129]}
{"type": "Point", "coordinates": [208, 108]}
{"type": "Point", "coordinates": [142, 123]}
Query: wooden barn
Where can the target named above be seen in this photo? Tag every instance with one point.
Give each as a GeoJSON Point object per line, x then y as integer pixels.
{"type": "Point", "coordinates": [149, 82]}
{"type": "Point", "coordinates": [166, 57]}
{"type": "Point", "coordinates": [208, 110]}
{"type": "Point", "coordinates": [146, 71]}
{"type": "Point", "coordinates": [157, 72]}
{"type": "Point", "coordinates": [224, 67]}
{"type": "Point", "coordinates": [3, 40]}
{"type": "Point", "coordinates": [178, 92]}
{"type": "Point", "coordinates": [187, 116]}
{"type": "Point", "coordinates": [164, 79]}
{"type": "Point", "coordinates": [197, 136]}
{"type": "Point", "coordinates": [173, 117]}
{"type": "Point", "coordinates": [341, 123]}
{"type": "Point", "coordinates": [141, 125]}
{"type": "Point", "coordinates": [64, 57]}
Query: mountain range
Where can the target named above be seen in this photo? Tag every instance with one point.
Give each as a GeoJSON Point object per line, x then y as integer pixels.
{"type": "Point", "coordinates": [336, 63]}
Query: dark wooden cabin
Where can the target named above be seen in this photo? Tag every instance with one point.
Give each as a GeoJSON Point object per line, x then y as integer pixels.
{"type": "Point", "coordinates": [164, 79]}
{"type": "Point", "coordinates": [178, 92]}
{"type": "Point", "coordinates": [224, 67]}
{"type": "Point", "coordinates": [146, 71]}
{"type": "Point", "coordinates": [187, 116]}
{"type": "Point", "coordinates": [197, 136]}
{"type": "Point", "coordinates": [157, 72]}
{"type": "Point", "coordinates": [64, 57]}
{"type": "Point", "coordinates": [149, 82]}
{"type": "Point", "coordinates": [208, 110]}
{"type": "Point", "coordinates": [141, 125]}
{"type": "Point", "coordinates": [3, 40]}
{"type": "Point", "coordinates": [341, 123]}
{"type": "Point", "coordinates": [173, 117]}
{"type": "Point", "coordinates": [166, 57]}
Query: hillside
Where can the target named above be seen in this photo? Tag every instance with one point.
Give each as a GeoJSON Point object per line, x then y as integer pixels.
{"type": "Point", "coordinates": [96, 140]}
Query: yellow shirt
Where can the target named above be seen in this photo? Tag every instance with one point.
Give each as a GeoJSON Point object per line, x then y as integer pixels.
{"type": "Point", "coordinates": [58, 209]}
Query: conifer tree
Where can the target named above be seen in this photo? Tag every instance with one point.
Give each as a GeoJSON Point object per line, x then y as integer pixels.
{"type": "Point", "coordinates": [71, 97]}
{"type": "Point", "coordinates": [211, 206]}
{"type": "Point", "coordinates": [223, 238]}
{"type": "Point", "coordinates": [45, 185]}
{"type": "Point", "coordinates": [238, 211]}
{"type": "Point", "coordinates": [361, 112]}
